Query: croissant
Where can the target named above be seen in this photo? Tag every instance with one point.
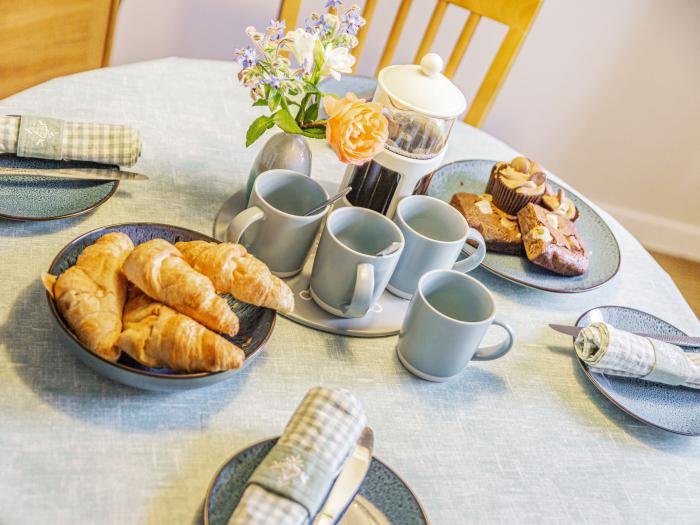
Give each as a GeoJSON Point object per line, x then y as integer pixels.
{"type": "Point", "coordinates": [90, 295]}
{"type": "Point", "coordinates": [159, 270]}
{"type": "Point", "coordinates": [232, 269]}
{"type": "Point", "coordinates": [159, 337]}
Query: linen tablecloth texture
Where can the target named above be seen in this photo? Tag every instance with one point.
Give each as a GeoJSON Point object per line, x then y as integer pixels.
{"type": "Point", "coordinates": [303, 463]}
{"type": "Point", "coordinates": [78, 448]}
{"type": "Point", "coordinates": [609, 350]}
{"type": "Point", "coordinates": [51, 138]}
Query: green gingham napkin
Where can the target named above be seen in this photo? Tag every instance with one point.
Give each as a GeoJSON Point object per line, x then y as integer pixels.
{"type": "Point", "coordinates": [50, 138]}
{"type": "Point", "coordinates": [611, 351]}
{"type": "Point", "coordinates": [292, 481]}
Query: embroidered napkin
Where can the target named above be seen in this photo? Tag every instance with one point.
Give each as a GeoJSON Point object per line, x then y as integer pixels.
{"type": "Point", "coordinates": [50, 138]}
{"type": "Point", "coordinates": [290, 484]}
{"type": "Point", "coordinates": [606, 349]}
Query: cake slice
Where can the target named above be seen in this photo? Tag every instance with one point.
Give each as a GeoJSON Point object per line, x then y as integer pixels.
{"type": "Point", "coordinates": [552, 241]}
{"type": "Point", "coordinates": [500, 230]}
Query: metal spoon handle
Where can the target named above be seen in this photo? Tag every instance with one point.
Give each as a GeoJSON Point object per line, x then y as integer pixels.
{"type": "Point", "coordinates": [328, 202]}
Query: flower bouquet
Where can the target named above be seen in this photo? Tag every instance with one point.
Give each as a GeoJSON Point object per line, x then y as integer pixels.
{"type": "Point", "coordinates": [283, 70]}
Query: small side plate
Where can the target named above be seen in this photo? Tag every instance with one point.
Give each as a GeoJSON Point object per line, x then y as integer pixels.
{"type": "Point", "coordinates": [672, 408]}
{"type": "Point", "coordinates": [24, 198]}
{"type": "Point", "coordinates": [382, 487]}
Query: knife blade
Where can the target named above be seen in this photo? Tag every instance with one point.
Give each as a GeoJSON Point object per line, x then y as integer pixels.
{"type": "Point", "coordinates": [681, 340]}
{"type": "Point", "coordinates": [75, 173]}
{"type": "Point", "coordinates": [348, 481]}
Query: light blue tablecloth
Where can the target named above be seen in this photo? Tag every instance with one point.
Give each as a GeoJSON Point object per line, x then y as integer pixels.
{"type": "Point", "coordinates": [522, 439]}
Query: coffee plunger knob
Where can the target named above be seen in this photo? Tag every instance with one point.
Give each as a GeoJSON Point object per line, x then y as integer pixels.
{"type": "Point", "coordinates": [431, 64]}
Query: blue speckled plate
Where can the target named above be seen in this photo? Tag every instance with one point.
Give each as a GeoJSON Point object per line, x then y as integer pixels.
{"type": "Point", "coordinates": [256, 323]}
{"type": "Point", "coordinates": [671, 408]}
{"type": "Point", "coordinates": [471, 176]}
{"type": "Point", "coordinates": [41, 199]}
{"type": "Point", "coordinates": [382, 487]}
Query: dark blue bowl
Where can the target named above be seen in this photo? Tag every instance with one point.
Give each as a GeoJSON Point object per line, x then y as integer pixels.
{"type": "Point", "coordinates": [256, 323]}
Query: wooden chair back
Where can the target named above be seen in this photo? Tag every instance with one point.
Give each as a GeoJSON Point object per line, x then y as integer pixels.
{"type": "Point", "coordinates": [518, 15]}
{"type": "Point", "coordinates": [43, 39]}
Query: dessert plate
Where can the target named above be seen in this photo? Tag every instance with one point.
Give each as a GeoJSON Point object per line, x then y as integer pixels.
{"type": "Point", "coordinates": [384, 498]}
{"type": "Point", "coordinates": [361, 85]}
{"type": "Point", "coordinates": [672, 408]}
{"type": "Point", "coordinates": [25, 198]}
{"type": "Point", "coordinates": [471, 176]}
{"type": "Point", "coordinates": [256, 323]}
{"type": "Point", "coordinates": [384, 318]}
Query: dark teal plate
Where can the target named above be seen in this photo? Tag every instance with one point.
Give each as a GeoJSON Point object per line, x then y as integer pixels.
{"type": "Point", "coordinates": [256, 323]}
{"type": "Point", "coordinates": [471, 176]}
{"type": "Point", "coordinates": [41, 199]}
{"type": "Point", "coordinates": [382, 487]}
{"type": "Point", "coordinates": [672, 408]}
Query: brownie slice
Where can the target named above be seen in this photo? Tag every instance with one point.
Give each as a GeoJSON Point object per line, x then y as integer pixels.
{"type": "Point", "coordinates": [552, 241]}
{"type": "Point", "coordinates": [500, 230]}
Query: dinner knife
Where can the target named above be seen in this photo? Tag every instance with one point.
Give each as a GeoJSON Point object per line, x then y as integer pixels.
{"type": "Point", "coordinates": [682, 340]}
{"type": "Point", "coordinates": [75, 173]}
{"type": "Point", "coordinates": [348, 481]}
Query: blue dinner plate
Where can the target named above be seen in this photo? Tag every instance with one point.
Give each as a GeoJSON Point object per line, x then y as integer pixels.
{"type": "Point", "coordinates": [25, 198]}
{"type": "Point", "coordinates": [256, 323]}
{"type": "Point", "coordinates": [471, 176]}
{"type": "Point", "coordinates": [672, 408]}
{"type": "Point", "coordinates": [385, 491]}
{"type": "Point", "coordinates": [361, 85]}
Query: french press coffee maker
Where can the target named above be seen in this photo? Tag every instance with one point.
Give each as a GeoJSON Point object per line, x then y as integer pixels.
{"type": "Point", "coordinates": [421, 105]}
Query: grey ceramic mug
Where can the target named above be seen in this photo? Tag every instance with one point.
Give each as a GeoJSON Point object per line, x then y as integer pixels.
{"type": "Point", "coordinates": [445, 324]}
{"type": "Point", "coordinates": [435, 234]}
{"type": "Point", "coordinates": [273, 227]}
{"type": "Point", "coordinates": [348, 277]}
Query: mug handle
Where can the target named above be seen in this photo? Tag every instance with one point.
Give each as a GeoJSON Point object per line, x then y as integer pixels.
{"type": "Point", "coordinates": [473, 259]}
{"type": "Point", "coordinates": [490, 352]}
{"type": "Point", "coordinates": [242, 222]}
{"type": "Point", "coordinates": [361, 300]}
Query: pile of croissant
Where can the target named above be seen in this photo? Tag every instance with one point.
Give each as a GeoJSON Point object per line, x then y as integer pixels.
{"type": "Point", "coordinates": [159, 302]}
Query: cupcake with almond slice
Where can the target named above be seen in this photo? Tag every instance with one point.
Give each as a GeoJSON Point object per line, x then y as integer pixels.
{"type": "Point", "coordinates": [516, 183]}
{"type": "Point", "coordinates": [559, 203]}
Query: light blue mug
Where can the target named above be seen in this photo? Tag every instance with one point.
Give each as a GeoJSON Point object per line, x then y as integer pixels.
{"type": "Point", "coordinates": [435, 234]}
{"type": "Point", "coordinates": [348, 275]}
{"type": "Point", "coordinates": [445, 324]}
{"type": "Point", "coordinates": [274, 227]}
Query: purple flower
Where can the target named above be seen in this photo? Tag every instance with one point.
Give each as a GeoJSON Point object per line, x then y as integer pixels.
{"type": "Point", "coordinates": [246, 57]}
{"type": "Point", "coordinates": [352, 21]}
{"type": "Point", "coordinates": [276, 29]}
{"type": "Point", "coordinates": [311, 24]}
{"type": "Point", "coordinates": [325, 25]}
{"type": "Point", "coordinates": [333, 4]}
{"type": "Point", "coordinates": [273, 81]}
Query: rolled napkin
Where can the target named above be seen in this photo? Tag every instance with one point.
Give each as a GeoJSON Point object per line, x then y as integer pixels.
{"type": "Point", "coordinates": [609, 350]}
{"type": "Point", "coordinates": [50, 138]}
{"type": "Point", "coordinates": [290, 484]}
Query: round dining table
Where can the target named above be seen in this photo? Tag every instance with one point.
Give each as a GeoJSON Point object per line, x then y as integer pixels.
{"type": "Point", "coordinates": [526, 438]}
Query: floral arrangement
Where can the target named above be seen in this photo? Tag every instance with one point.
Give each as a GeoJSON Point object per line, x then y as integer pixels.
{"type": "Point", "coordinates": [355, 128]}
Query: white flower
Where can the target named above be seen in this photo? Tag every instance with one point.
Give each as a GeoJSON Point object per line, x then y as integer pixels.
{"type": "Point", "coordinates": [301, 44]}
{"type": "Point", "coordinates": [337, 60]}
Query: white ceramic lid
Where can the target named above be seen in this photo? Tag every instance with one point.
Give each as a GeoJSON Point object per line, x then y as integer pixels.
{"type": "Point", "coordinates": [423, 88]}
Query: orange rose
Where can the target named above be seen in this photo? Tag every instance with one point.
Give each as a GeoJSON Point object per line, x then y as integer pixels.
{"type": "Point", "coordinates": [356, 129]}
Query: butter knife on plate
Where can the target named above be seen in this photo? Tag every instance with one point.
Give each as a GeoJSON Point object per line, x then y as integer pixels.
{"type": "Point", "coordinates": [104, 174]}
{"type": "Point", "coordinates": [348, 481]}
{"type": "Point", "coordinates": [680, 340]}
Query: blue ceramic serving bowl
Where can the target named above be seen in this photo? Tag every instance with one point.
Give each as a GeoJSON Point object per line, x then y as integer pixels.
{"type": "Point", "coordinates": [382, 488]}
{"type": "Point", "coordinates": [256, 323]}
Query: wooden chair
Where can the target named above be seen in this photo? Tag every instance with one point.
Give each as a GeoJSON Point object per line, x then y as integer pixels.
{"type": "Point", "coordinates": [43, 39]}
{"type": "Point", "coordinates": [518, 15]}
